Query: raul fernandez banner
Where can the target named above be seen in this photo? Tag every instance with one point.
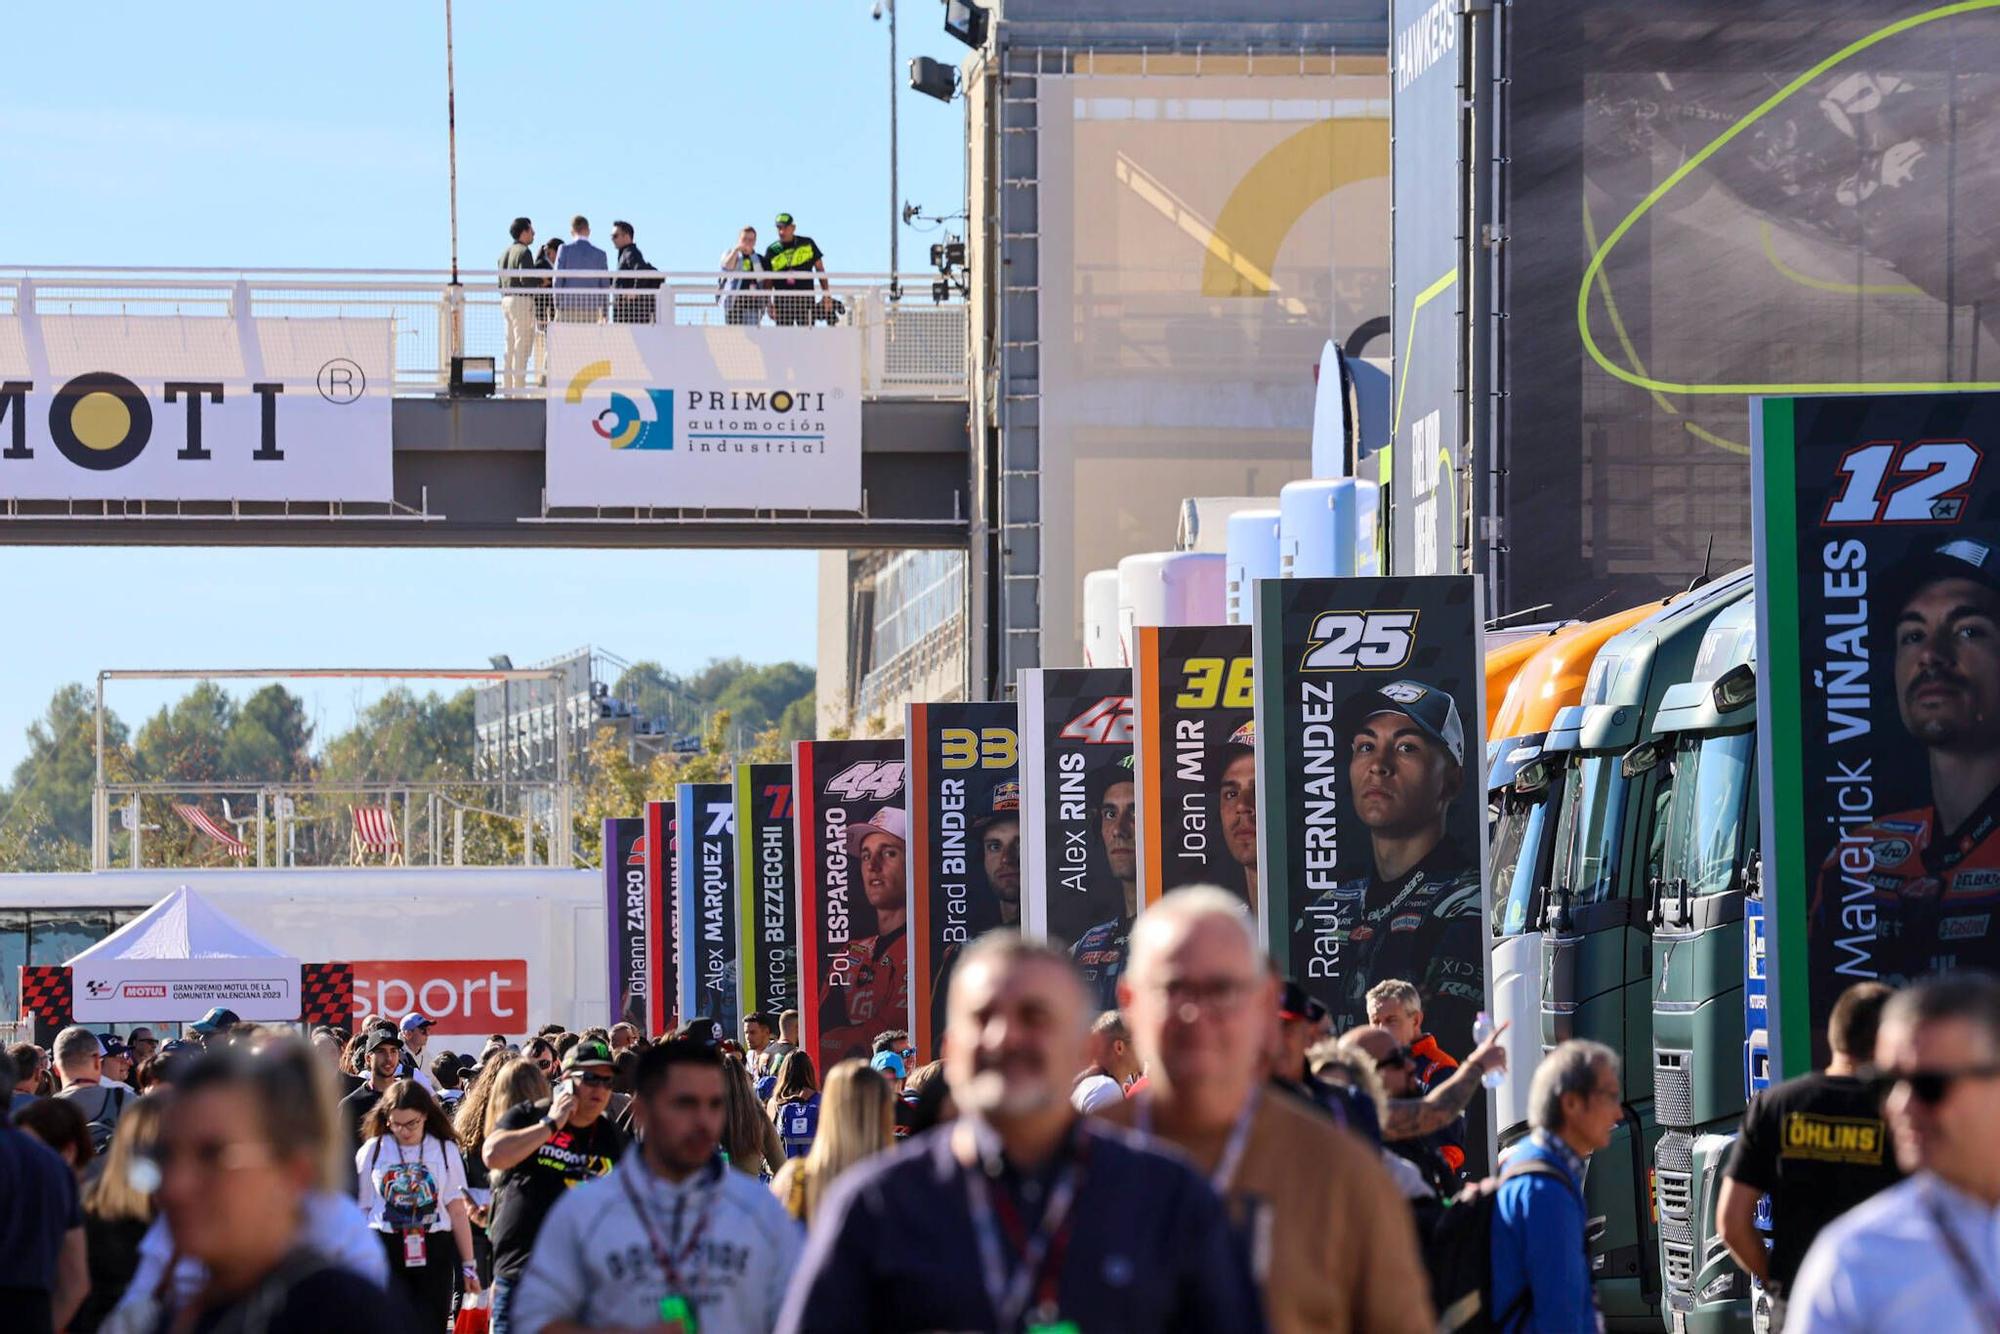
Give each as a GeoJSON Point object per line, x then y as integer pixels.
{"type": "Point", "coordinates": [1878, 605]}
{"type": "Point", "coordinates": [854, 897]}
{"type": "Point", "coordinates": [660, 846]}
{"type": "Point", "coordinates": [728, 417]}
{"type": "Point", "coordinates": [767, 923]}
{"type": "Point", "coordinates": [1373, 813]}
{"type": "Point", "coordinates": [103, 407]}
{"type": "Point", "coordinates": [965, 844]}
{"type": "Point", "coordinates": [1195, 749]}
{"type": "Point", "coordinates": [711, 986]}
{"type": "Point", "coordinates": [1079, 846]}
{"type": "Point", "coordinates": [626, 909]}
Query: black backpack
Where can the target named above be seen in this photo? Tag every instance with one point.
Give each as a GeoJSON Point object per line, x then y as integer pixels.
{"type": "Point", "coordinates": [103, 1123]}
{"type": "Point", "coordinates": [1459, 1256]}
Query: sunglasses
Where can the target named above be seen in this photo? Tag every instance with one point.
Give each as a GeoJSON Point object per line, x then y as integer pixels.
{"type": "Point", "coordinates": [595, 1081]}
{"type": "Point", "coordinates": [1395, 1060]}
{"type": "Point", "coordinates": [1929, 1087]}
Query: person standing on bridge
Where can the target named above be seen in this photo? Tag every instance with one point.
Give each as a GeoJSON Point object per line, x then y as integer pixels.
{"type": "Point", "coordinates": [572, 262]}
{"type": "Point", "coordinates": [794, 255]}
{"type": "Point", "coordinates": [516, 303]}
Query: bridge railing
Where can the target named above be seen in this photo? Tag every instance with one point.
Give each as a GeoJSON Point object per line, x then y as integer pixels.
{"type": "Point", "coordinates": [913, 346]}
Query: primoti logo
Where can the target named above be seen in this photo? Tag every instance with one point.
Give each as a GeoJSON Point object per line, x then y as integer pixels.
{"type": "Point", "coordinates": [624, 424]}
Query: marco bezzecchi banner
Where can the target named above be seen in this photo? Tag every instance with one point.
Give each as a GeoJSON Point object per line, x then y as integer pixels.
{"type": "Point", "coordinates": [1079, 846]}
{"type": "Point", "coordinates": [767, 901]}
{"type": "Point", "coordinates": [1878, 591]}
{"type": "Point", "coordinates": [627, 910]}
{"type": "Point", "coordinates": [1195, 749]}
{"type": "Point", "coordinates": [663, 917]}
{"type": "Point", "coordinates": [965, 844]}
{"type": "Point", "coordinates": [1373, 812]}
{"type": "Point", "coordinates": [711, 983]}
{"type": "Point", "coordinates": [854, 898]}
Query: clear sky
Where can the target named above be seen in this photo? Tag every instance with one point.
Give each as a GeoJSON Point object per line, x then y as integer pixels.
{"type": "Point", "coordinates": [252, 134]}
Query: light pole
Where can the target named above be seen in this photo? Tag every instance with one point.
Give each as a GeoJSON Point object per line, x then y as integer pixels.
{"type": "Point", "coordinates": [451, 135]}
{"type": "Point", "coordinates": [895, 194]}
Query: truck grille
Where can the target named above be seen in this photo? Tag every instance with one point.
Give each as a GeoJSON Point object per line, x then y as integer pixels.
{"type": "Point", "coordinates": [1680, 1265]}
{"type": "Point", "coordinates": [1676, 1195]}
{"type": "Point", "coordinates": [1677, 1153]}
{"type": "Point", "coordinates": [1673, 1088]}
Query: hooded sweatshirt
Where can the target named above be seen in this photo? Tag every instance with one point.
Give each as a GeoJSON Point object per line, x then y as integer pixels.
{"type": "Point", "coordinates": [594, 1261]}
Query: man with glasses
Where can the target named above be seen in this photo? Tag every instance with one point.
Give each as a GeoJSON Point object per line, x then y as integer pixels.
{"type": "Point", "coordinates": [1921, 1255]}
{"type": "Point", "coordinates": [143, 1045]}
{"type": "Point", "coordinates": [1439, 1154]}
{"type": "Point", "coordinates": [793, 254]}
{"type": "Point", "coordinates": [1331, 1242]}
{"type": "Point", "coordinates": [1816, 1145]}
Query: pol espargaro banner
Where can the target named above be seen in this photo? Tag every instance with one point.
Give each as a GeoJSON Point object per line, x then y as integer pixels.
{"type": "Point", "coordinates": [627, 910]}
{"type": "Point", "coordinates": [166, 407]}
{"type": "Point", "coordinates": [661, 848]}
{"type": "Point", "coordinates": [854, 898]}
{"type": "Point", "coordinates": [964, 805]}
{"type": "Point", "coordinates": [1372, 818]}
{"type": "Point", "coordinates": [767, 922]}
{"type": "Point", "coordinates": [1195, 748]}
{"type": "Point", "coordinates": [711, 984]}
{"type": "Point", "coordinates": [1878, 701]}
{"type": "Point", "coordinates": [726, 417]}
{"type": "Point", "coordinates": [1079, 845]}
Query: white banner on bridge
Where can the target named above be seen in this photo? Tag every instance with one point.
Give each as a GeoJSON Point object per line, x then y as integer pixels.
{"type": "Point", "coordinates": [732, 417]}
{"type": "Point", "coordinates": [169, 407]}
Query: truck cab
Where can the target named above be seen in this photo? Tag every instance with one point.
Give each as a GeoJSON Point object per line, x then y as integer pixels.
{"type": "Point", "coordinates": [1596, 938]}
{"type": "Point", "coordinates": [1709, 865]}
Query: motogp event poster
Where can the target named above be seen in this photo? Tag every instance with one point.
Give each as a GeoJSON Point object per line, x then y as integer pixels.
{"type": "Point", "coordinates": [628, 914]}
{"type": "Point", "coordinates": [711, 985]}
{"type": "Point", "coordinates": [1195, 749]}
{"type": "Point", "coordinates": [1373, 812]}
{"type": "Point", "coordinates": [661, 843]}
{"type": "Point", "coordinates": [1079, 846]}
{"type": "Point", "coordinates": [1878, 605]}
{"type": "Point", "coordinates": [965, 844]}
{"type": "Point", "coordinates": [852, 841]}
{"type": "Point", "coordinates": [767, 902]}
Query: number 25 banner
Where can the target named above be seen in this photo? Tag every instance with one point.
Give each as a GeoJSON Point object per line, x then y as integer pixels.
{"type": "Point", "coordinates": [1373, 806]}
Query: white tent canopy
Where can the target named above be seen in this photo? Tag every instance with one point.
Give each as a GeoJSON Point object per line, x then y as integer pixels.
{"type": "Point", "coordinates": [178, 960]}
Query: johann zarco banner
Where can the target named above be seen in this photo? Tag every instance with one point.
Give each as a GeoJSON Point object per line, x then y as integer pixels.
{"type": "Point", "coordinates": [628, 915]}
{"type": "Point", "coordinates": [767, 899]}
{"type": "Point", "coordinates": [711, 980]}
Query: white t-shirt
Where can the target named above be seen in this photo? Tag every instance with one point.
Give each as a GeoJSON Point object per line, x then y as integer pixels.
{"type": "Point", "coordinates": [1095, 1092]}
{"type": "Point", "coordinates": [409, 1188]}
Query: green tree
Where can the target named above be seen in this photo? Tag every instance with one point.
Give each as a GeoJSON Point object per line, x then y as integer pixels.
{"type": "Point", "coordinates": [184, 741]}
{"type": "Point", "coordinates": [800, 720]}
{"type": "Point", "coordinates": [270, 739]}
{"type": "Point", "coordinates": [404, 736]}
{"type": "Point", "coordinates": [47, 807]}
{"type": "Point", "coordinates": [757, 697]}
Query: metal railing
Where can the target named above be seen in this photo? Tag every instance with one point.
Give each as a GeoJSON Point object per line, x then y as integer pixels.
{"type": "Point", "coordinates": [912, 345]}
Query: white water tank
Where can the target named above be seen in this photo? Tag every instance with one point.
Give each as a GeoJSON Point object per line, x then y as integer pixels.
{"type": "Point", "coordinates": [1101, 644]}
{"type": "Point", "coordinates": [1316, 528]}
{"type": "Point", "coordinates": [1251, 554]}
{"type": "Point", "coordinates": [1169, 588]}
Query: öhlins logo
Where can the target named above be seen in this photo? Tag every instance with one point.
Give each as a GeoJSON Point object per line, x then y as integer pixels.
{"type": "Point", "coordinates": [1833, 1139]}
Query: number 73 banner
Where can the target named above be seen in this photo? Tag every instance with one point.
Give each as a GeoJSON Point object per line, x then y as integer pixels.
{"type": "Point", "coordinates": [1373, 806]}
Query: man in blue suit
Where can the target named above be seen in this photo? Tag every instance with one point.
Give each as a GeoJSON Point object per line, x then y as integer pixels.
{"type": "Point", "coordinates": [580, 255]}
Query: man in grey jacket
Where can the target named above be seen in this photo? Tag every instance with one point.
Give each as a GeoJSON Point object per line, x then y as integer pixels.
{"type": "Point", "coordinates": [573, 262]}
{"type": "Point", "coordinates": [672, 1240]}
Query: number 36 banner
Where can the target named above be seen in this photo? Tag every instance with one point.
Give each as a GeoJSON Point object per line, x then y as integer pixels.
{"type": "Point", "coordinates": [1373, 800]}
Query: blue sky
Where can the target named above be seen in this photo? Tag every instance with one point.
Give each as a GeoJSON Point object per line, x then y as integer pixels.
{"type": "Point", "coordinates": [238, 134]}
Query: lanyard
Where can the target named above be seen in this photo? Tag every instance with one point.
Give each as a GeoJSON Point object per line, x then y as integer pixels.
{"type": "Point", "coordinates": [1968, 1272]}
{"type": "Point", "coordinates": [1232, 1149]}
{"type": "Point", "coordinates": [1041, 1253]}
{"type": "Point", "coordinates": [670, 1263]}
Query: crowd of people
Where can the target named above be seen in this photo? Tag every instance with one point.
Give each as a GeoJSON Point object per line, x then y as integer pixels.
{"type": "Point", "coordinates": [1208, 1156]}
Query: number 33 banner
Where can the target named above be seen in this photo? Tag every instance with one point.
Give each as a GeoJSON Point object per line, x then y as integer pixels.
{"type": "Point", "coordinates": [1373, 795]}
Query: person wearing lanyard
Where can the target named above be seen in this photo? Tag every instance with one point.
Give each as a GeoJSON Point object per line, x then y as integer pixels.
{"type": "Point", "coordinates": [1021, 1215]}
{"type": "Point", "coordinates": [1330, 1240]}
{"type": "Point", "coordinates": [1923, 1254]}
{"type": "Point", "coordinates": [412, 1187]}
{"type": "Point", "coordinates": [673, 1241]}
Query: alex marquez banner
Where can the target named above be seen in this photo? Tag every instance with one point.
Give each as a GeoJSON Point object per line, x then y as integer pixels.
{"type": "Point", "coordinates": [1373, 816]}
{"type": "Point", "coordinates": [1079, 845]}
{"type": "Point", "coordinates": [1878, 592]}
{"type": "Point", "coordinates": [1195, 747]}
{"type": "Point", "coordinates": [118, 407]}
{"type": "Point", "coordinates": [662, 847]}
{"type": "Point", "coordinates": [711, 986]}
{"type": "Point", "coordinates": [854, 902]}
{"type": "Point", "coordinates": [767, 897]}
{"type": "Point", "coordinates": [965, 844]}
{"type": "Point", "coordinates": [733, 417]}
{"type": "Point", "coordinates": [627, 910]}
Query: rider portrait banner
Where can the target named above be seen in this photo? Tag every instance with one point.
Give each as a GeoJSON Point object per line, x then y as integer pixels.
{"type": "Point", "coordinates": [1373, 812]}
{"type": "Point", "coordinates": [767, 901]}
{"type": "Point", "coordinates": [711, 983]}
{"type": "Point", "coordinates": [626, 910]}
{"type": "Point", "coordinates": [965, 845]}
{"type": "Point", "coordinates": [661, 846]}
{"type": "Point", "coordinates": [852, 840]}
{"type": "Point", "coordinates": [1878, 605]}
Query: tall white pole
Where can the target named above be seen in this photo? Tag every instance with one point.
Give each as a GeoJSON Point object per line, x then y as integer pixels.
{"type": "Point", "coordinates": [895, 199]}
{"type": "Point", "coordinates": [451, 135]}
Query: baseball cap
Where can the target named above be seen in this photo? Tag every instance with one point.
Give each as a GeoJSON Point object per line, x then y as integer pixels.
{"type": "Point", "coordinates": [380, 1037]}
{"type": "Point", "coordinates": [415, 1019]}
{"type": "Point", "coordinates": [890, 820]}
{"type": "Point", "coordinates": [783, 220]}
{"type": "Point", "coordinates": [1972, 553]}
{"type": "Point", "coordinates": [708, 1032]}
{"type": "Point", "coordinates": [1432, 710]}
{"type": "Point", "coordinates": [1120, 770]}
{"type": "Point", "coordinates": [114, 1047]}
{"type": "Point", "coordinates": [219, 1019]}
{"type": "Point", "coordinates": [1295, 1005]}
{"type": "Point", "coordinates": [589, 1053]}
{"type": "Point", "coordinates": [889, 1062]}
{"type": "Point", "coordinates": [1006, 806]}
{"type": "Point", "coordinates": [1244, 736]}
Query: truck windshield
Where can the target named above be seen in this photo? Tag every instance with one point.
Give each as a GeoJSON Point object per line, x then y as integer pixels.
{"type": "Point", "coordinates": [1521, 831]}
{"type": "Point", "coordinates": [1712, 777]}
{"type": "Point", "coordinates": [1587, 837]}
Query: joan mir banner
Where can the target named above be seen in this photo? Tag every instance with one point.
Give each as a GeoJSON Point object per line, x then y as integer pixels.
{"type": "Point", "coordinates": [731, 417]}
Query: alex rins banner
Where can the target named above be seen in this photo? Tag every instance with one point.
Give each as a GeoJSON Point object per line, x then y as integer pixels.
{"type": "Point", "coordinates": [767, 899]}
{"type": "Point", "coordinates": [852, 840]}
{"type": "Point", "coordinates": [662, 993]}
{"type": "Point", "coordinates": [1372, 821]}
{"type": "Point", "coordinates": [1195, 748]}
{"type": "Point", "coordinates": [964, 806]}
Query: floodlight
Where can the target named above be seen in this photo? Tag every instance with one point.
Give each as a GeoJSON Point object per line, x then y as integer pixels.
{"type": "Point", "coordinates": [933, 78]}
{"type": "Point", "coordinates": [966, 21]}
{"type": "Point", "coordinates": [472, 377]}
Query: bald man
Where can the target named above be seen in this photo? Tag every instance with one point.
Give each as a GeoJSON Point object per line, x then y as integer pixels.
{"type": "Point", "coordinates": [1330, 1238]}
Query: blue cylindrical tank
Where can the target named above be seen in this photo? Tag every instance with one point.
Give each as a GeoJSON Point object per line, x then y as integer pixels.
{"type": "Point", "coordinates": [1316, 528]}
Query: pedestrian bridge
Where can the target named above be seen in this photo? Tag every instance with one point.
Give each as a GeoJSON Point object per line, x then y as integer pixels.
{"type": "Point", "coordinates": [469, 469]}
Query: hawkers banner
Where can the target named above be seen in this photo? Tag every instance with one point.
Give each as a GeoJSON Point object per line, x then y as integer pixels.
{"type": "Point", "coordinates": [160, 407]}
{"type": "Point", "coordinates": [710, 977]}
{"type": "Point", "coordinates": [734, 417]}
{"type": "Point", "coordinates": [767, 921]}
{"type": "Point", "coordinates": [627, 909]}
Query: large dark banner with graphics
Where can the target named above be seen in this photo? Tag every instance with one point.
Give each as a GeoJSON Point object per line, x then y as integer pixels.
{"type": "Point", "coordinates": [1079, 846]}
{"type": "Point", "coordinates": [766, 895]}
{"type": "Point", "coordinates": [854, 899]}
{"type": "Point", "coordinates": [1427, 180]}
{"type": "Point", "coordinates": [627, 914]}
{"type": "Point", "coordinates": [711, 981]}
{"type": "Point", "coordinates": [965, 844]}
{"type": "Point", "coordinates": [663, 917]}
{"type": "Point", "coordinates": [1878, 589]}
{"type": "Point", "coordinates": [1195, 746]}
{"type": "Point", "coordinates": [1373, 815]}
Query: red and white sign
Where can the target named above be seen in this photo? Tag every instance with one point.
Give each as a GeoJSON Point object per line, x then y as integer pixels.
{"type": "Point", "coordinates": [476, 996]}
